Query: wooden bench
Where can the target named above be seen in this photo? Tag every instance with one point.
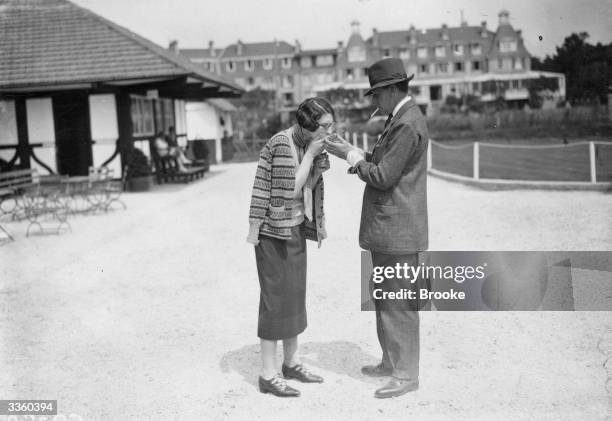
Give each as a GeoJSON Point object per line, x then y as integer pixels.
{"type": "Point", "coordinates": [167, 168]}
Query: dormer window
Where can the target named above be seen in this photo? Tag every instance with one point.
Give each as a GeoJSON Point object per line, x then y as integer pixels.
{"type": "Point", "coordinates": [230, 66]}
{"type": "Point", "coordinates": [507, 45]}
{"type": "Point", "coordinates": [356, 54]}
{"type": "Point", "coordinates": [249, 66]}
{"type": "Point", "coordinates": [286, 63]}
{"type": "Point", "coordinates": [386, 52]}
{"type": "Point", "coordinates": [458, 49]}
{"type": "Point", "coordinates": [268, 63]}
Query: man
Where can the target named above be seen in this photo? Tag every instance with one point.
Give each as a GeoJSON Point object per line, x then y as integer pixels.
{"type": "Point", "coordinates": [393, 217]}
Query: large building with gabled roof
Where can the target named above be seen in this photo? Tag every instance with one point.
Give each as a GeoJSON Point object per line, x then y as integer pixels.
{"type": "Point", "coordinates": [446, 61]}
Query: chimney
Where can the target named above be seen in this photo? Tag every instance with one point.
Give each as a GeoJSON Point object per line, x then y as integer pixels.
{"type": "Point", "coordinates": [463, 21]}
{"type": "Point", "coordinates": [211, 48]}
{"type": "Point", "coordinates": [504, 18]}
{"type": "Point", "coordinates": [483, 29]}
{"type": "Point", "coordinates": [413, 34]}
{"type": "Point", "coordinates": [374, 37]}
{"type": "Point", "coordinates": [355, 27]}
{"type": "Point", "coordinates": [298, 46]}
{"type": "Point", "coordinates": [239, 48]}
{"type": "Point", "coordinates": [173, 46]}
{"type": "Point", "coordinates": [340, 46]}
{"type": "Point", "coordinates": [444, 33]}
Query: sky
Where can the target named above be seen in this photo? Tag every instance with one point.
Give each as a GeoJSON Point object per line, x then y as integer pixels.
{"type": "Point", "coordinates": [322, 23]}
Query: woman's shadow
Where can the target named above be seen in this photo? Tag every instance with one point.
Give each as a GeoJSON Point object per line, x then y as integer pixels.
{"type": "Point", "coordinates": [340, 357]}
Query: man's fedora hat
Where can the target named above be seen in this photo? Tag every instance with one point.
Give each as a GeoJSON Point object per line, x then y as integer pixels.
{"type": "Point", "coordinates": [385, 72]}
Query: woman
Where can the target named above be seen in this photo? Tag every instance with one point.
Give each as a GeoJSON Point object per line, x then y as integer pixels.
{"type": "Point", "coordinates": [286, 209]}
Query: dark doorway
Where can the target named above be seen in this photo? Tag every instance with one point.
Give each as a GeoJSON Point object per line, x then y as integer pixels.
{"type": "Point", "coordinates": [435, 92]}
{"type": "Point", "coordinates": [72, 133]}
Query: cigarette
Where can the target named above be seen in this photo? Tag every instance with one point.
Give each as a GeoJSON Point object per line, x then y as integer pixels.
{"type": "Point", "coordinates": [374, 113]}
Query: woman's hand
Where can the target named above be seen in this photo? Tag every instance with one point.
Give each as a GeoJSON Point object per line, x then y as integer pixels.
{"type": "Point", "coordinates": [315, 147]}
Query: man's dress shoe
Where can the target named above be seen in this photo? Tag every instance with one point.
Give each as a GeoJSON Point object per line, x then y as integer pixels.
{"type": "Point", "coordinates": [278, 387]}
{"type": "Point", "coordinates": [396, 387]}
{"type": "Point", "coordinates": [376, 370]}
{"type": "Point", "coordinates": [301, 373]}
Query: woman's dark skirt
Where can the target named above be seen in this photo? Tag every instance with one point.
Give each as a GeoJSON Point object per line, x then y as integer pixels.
{"type": "Point", "coordinates": [281, 266]}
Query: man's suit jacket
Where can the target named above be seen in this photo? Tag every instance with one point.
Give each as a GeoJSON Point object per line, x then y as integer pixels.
{"type": "Point", "coordinates": [394, 210]}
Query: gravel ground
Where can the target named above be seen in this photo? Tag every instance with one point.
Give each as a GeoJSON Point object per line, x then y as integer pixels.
{"type": "Point", "coordinates": [150, 313]}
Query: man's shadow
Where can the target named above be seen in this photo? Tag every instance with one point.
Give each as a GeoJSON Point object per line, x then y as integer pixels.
{"type": "Point", "coordinates": [340, 357]}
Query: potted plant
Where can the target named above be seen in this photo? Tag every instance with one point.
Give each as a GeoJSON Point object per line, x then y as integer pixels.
{"type": "Point", "coordinates": [139, 176]}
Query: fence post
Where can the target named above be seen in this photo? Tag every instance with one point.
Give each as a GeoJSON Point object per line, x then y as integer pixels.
{"type": "Point", "coordinates": [476, 161]}
{"type": "Point", "coordinates": [593, 162]}
{"type": "Point", "coordinates": [355, 139]}
{"type": "Point", "coordinates": [365, 142]}
{"type": "Point", "coordinates": [429, 155]}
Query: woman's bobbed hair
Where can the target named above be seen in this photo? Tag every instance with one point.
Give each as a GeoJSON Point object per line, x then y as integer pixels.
{"type": "Point", "coordinates": [311, 110]}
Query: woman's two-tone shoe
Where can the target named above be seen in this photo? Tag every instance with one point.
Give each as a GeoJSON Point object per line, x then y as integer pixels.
{"type": "Point", "coordinates": [278, 386]}
{"type": "Point", "coordinates": [301, 373]}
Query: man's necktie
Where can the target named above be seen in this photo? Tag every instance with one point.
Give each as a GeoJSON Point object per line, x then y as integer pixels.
{"type": "Point", "coordinates": [388, 121]}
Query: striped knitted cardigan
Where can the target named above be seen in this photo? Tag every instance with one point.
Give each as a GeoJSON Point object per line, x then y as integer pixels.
{"type": "Point", "coordinates": [270, 212]}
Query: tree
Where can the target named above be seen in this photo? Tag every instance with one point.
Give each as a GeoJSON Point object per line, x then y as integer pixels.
{"type": "Point", "coordinates": [587, 68]}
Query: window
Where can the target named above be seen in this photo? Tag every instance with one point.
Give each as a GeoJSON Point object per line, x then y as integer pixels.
{"type": "Point", "coordinates": [404, 53]}
{"type": "Point", "coordinates": [518, 64]}
{"type": "Point", "coordinates": [8, 123]}
{"type": "Point", "coordinates": [164, 114]}
{"type": "Point", "coordinates": [356, 54]}
{"type": "Point", "coordinates": [349, 73]}
{"type": "Point", "coordinates": [476, 65]}
{"type": "Point", "coordinates": [507, 45]}
{"type": "Point", "coordinates": [230, 66]}
{"type": "Point", "coordinates": [249, 66]}
{"type": "Point", "coordinates": [267, 83]}
{"type": "Point", "coordinates": [365, 71]}
{"type": "Point", "coordinates": [440, 51]}
{"type": "Point", "coordinates": [286, 63]}
{"type": "Point", "coordinates": [142, 116]}
{"type": "Point", "coordinates": [326, 60]}
{"type": "Point", "coordinates": [250, 81]}
{"type": "Point", "coordinates": [507, 63]}
{"type": "Point", "coordinates": [476, 50]}
{"type": "Point", "coordinates": [442, 67]}
{"type": "Point", "coordinates": [287, 81]}
{"type": "Point", "coordinates": [458, 66]}
{"type": "Point", "coordinates": [306, 62]}
{"type": "Point", "coordinates": [422, 52]}
{"type": "Point", "coordinates": [387, 52]}
{"type": "Point", "coordinates": [515, 84]}
{"type": "Point", "coordinates": [458, 49]}
{"type": "Point", "coordinates": [268, 63]}
{"type": "Point", "coordinates": [423, 68]}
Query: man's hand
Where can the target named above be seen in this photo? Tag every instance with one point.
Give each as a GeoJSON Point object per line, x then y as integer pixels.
{"type": "Point", "coordinates": [337, 146]}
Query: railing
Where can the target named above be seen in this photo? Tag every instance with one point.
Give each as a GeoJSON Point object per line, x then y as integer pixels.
{"type": "Point", "coordinates": [587, 162]}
